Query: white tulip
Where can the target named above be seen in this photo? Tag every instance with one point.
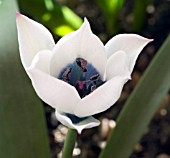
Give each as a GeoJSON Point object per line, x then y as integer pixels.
{"type": "Point", "coordinates": [78, 76]}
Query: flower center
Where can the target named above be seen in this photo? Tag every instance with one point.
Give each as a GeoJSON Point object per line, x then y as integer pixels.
{"type": "Point", "coordinates": [75, 119]}
{"type": "Point", "coordinates": [82, 75]}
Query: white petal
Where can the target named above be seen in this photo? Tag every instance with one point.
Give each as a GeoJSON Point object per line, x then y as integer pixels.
{"type": "Point", "coordinates": [102, 98]}
{"type": "Point", "coordinates": [132, 44]}
{"type": "Point", "coordinates": [79, 44]}
{"type": "Point", "coordinates": [32, 37]}
{"type": "Point", "coordinates": [117, 65]}
{"type": "Point", "coordinates": [41, 61]}
{"type": "Point", "coordinates": [87, 123]}
{"type": "Point", "coordinates": [54, 92]}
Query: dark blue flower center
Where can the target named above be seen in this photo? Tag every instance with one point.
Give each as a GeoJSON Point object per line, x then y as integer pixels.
{"type": "Point", "coordinates": [82, 75]}
{"type": "Point", "coordinates": [75, 119]}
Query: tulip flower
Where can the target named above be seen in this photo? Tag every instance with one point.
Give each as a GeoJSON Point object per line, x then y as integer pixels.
{"type": "Point", "coordinates": [78, 76]}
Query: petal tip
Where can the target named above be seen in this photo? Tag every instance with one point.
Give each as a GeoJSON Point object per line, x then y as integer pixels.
{"type": "Point", "coordinates": [86, 24]}
{"type": "Point", "coordinates": [17, 14]}
{"type": "Point", "coordinates": [79, 131]}
{"type": "Point", "coordinates": [86, 20]}
{"type": "Point", "coordinates": [150, 40]}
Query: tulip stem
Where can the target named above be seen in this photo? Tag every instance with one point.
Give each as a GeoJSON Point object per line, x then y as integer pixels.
{"type": "Point", "coordinates": [69, 143]}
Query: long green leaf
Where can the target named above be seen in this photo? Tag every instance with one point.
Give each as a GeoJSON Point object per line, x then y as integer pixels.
{"type": "Point", "coordinates": [140, 106]}
{"type": "Point", "coordinates": [23, 131]}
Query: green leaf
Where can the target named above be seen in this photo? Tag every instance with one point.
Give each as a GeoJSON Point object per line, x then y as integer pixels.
{"type": "Point", "coordinates": [23, 132]}
{"type": "Point", "coordinates": [140, 106]}
{"type": "Point", "coordinates": [63, 30]}
{"type": "Point", "coordinates": [71, 17]}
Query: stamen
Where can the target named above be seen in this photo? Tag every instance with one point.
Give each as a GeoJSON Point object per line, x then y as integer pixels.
{"type": "Point", "coordinates": [82, 64]}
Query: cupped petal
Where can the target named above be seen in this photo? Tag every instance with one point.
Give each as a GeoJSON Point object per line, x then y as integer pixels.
{"type": "Point", "coordinates": [79, 44]}
{"type": "Point", "coordinates": [32, 37]}
{"type": "Point", "coordinates": [41, 61]}
{"type": "Point", "coordinates": [117, 65]}
{"type": "Point", "coordinates": [89, 122]}
{"type": "Point", "coordinates": [102, 98]}
{"type": "Point", "coordinates": [54, 92]}
{"type": "Point", "coordinates": [132, 44]}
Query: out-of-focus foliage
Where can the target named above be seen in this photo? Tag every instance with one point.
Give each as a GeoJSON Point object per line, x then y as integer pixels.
{"type": "Point", "coordinates": [139, 14]}
{"type": "Point", "coordinates": [58, 18]}
{"type": "Point", "coordinates": [23, 132]}
{"type": "Point", "coordinates": [111, 10]}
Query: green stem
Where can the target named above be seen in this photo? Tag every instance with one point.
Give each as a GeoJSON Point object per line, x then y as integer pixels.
{"type": "Point", "coordinates": [69, 143]}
